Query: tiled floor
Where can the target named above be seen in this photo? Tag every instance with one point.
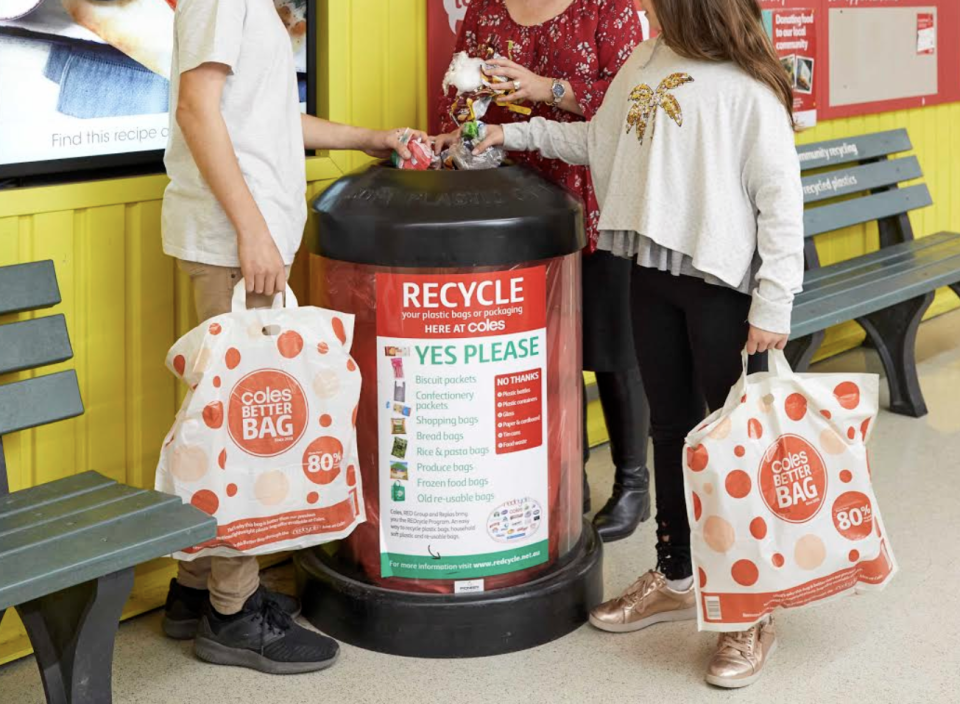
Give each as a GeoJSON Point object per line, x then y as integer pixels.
{"type": "Point", "coordinates": [898, 647]}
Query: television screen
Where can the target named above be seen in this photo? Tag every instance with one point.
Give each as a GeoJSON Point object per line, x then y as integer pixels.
{"type": "Point", "coordinates": [84, 83]}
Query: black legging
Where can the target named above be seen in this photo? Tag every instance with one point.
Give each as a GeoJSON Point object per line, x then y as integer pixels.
{"type": "Point", "coordinates": [627, 417]}
{"type": "Point", "coordinates": [689, 335]}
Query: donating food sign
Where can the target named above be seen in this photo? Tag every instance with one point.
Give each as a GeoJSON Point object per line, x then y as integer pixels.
{"type": "Point", "coordinates": [462, 367]}
{"type": "Point", "coordinates": [793, 30]}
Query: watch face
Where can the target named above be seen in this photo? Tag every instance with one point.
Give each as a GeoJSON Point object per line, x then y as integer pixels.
{"type": "Point", "coordinates": [558, 90]}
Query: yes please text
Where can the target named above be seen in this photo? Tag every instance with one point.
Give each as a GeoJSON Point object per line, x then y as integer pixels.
{"type": "Point", "coordinates": [479, 352]}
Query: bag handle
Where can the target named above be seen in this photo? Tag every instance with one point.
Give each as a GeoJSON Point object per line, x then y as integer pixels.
{"type": "Point", "coordinates": [779, 367]}
{"type": "Point", "coordinates": [286, 299]}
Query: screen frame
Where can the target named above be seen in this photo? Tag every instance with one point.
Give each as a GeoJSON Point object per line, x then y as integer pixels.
{"type": "Point", "coordinates": [88, 168]}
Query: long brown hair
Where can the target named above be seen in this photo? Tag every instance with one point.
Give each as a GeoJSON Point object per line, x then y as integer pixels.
{"type": "Point", "coordinates": [725, 30]}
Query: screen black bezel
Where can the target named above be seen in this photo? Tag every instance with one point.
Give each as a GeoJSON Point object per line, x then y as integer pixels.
{"type": "Point", "coordinates": [89, 168]}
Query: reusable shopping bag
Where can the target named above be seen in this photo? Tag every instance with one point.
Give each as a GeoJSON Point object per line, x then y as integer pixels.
{"type": "Point", "coordinates": [782, 511]}
{"type": "Point", "coordinates": [266, 438]}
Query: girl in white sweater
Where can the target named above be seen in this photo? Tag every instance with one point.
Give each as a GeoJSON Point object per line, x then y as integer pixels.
{"type": "Point", "coordinates": [697, 176]}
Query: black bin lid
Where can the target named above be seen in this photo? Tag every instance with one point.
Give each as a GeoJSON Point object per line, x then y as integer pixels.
{"type": "Point", "coordinates": [496, 217]}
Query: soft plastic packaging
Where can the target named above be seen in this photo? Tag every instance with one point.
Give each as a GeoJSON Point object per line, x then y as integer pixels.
{"type": "Point", "coordinates": [265, 440]}
{"type": "Point", "coordinates": [781, 507]}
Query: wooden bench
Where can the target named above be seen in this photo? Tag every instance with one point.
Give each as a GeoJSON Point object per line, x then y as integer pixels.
{"type": "Point", "coordinates": [887, 291]}
{"type": "Point", "coordinates": [68, 548]}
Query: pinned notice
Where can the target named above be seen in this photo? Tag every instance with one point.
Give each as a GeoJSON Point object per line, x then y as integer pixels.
{"type": "Point", "coordinates": [926, 34]}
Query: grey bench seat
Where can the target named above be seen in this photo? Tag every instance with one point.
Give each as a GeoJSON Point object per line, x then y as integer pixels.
{"type": "Point", "coordinates": [851, 182]}
{"type": "Point", "coordinates": [68, 548]}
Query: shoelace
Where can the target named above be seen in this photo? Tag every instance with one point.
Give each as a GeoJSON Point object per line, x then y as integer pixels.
{"type": "Point", "coordinates": [641, 589]}
{"type": "Point", "coordinates": [273, 619]}
{"type": "Point", "coordinates": [743, 642]}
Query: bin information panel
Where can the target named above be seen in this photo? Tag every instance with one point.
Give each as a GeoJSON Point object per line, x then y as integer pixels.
{"type": "Point", "coordinates": [462, 365]}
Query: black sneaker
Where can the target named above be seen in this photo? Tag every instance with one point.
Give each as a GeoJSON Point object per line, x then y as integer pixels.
{"type": "Point", "coordinates": [263, 637]}
{"type": "Point", "coordinates": [185, 606]}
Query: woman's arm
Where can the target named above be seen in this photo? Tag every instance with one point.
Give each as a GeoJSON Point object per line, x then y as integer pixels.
{"type": "Point", "coordinates": [772, 179]}
{"type": "Point", "coordinates": [617, 33]}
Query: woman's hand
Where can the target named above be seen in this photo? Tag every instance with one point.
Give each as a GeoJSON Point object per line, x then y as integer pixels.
{"type": "Point", "coordinates": [443, 141]}
{"type": "Point", "coordinates": [260, 262]}
{"type": "Point", "coordinates": [762, 341]}
{"type": "Point", "coordinates": [534, 88]}
{"type": "Point", "coordinates": [382, 143]}
{"type": "Point", "coordinates": [494, 138]}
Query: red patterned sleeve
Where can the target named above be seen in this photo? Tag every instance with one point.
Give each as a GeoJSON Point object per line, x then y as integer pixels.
{"type": "Point", "coordinates": [466, 41]}
{"type": "Point", "coordinates": [618, 32]}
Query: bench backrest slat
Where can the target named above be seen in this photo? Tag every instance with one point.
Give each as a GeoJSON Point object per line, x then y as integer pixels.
{"type": "Point", "coordinates": [35, 402]}
{"type": "Point", "coordinates": [853, 149]}
{"type": "Point", "coordinates": [34, 343]}
{"type": "Point", "coordinates": [829, 218]}
{"type": "Point", "coordinates": [860, 179]}
{"type": "Point", "coordinates": [28, 287]}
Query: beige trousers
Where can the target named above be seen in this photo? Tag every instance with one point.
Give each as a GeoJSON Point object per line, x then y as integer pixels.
{"type": "Point", "coordinates": [231, 580]}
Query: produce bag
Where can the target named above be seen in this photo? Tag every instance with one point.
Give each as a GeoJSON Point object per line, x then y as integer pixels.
{"type": "Point", "coordinates": [782, 511]}
{"type": "Point", "coordinates": [266, 438]}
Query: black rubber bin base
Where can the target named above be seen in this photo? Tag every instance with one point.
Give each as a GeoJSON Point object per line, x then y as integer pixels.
{"type": "Point", "coordinates": [447, 625]}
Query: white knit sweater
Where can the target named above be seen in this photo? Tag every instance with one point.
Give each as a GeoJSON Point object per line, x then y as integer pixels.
{"type": "Point", "coordinates": [716, 176]}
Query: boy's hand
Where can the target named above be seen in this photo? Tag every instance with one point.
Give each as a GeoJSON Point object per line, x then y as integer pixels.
{"type": "Point", "coordinates": [762, 341]}
{"type": "Point", "coordinates": [443, 141]}
{"type": "Point", "coordinates": [494, 138]}
{"type": "Point", "coordinates": [382, 143]}
{"type": "Point", "coordinates": [261, 264]}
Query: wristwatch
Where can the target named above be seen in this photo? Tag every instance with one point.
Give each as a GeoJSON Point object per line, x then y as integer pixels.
{"type": "Point", "coordinates": [557, 91]}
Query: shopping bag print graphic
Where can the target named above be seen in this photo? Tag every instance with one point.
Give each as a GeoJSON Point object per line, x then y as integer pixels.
{"type": "Point", "coordinates": [266, 438]}
{"type": "Point", "coordinates": [779, 497]}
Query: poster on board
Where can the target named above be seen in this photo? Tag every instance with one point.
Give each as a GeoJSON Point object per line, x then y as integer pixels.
{"type": "Point", "coordinates": [793, 31]}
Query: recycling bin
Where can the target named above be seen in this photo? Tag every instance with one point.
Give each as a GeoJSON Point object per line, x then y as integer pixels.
{"type": "Point", "coordinates": [466, 290]}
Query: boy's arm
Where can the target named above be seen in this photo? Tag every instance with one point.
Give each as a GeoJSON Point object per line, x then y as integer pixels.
{"type": "Point", "coordinates": [200, 120]}
{"type": "Point", "coordinates": [323, 134]}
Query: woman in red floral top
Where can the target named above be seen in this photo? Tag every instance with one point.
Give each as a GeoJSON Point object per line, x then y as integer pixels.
{"type": "Point", "coordinates": [563, 56]}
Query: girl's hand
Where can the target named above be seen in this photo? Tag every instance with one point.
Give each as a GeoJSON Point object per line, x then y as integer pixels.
{"type": "Point", "coordinates": [494, 138]}
{"type": "Point", "coordinates": [441, 142]}
{"type": "Point", "coordinates": [761, 341]}
{"type": "Point", "coordinates": [534, 88]}
{"type": "Point", "coordinates": [381, 144]}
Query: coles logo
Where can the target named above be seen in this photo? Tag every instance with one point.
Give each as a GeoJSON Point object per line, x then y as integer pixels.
{"type": "Point", "coordinates": [268, 413]}
{"type": "Point", "coordinates": [793, 479]}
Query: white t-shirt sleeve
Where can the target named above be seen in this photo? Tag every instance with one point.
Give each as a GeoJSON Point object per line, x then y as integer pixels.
{"type": "Point", "coordinates": [209, 31]}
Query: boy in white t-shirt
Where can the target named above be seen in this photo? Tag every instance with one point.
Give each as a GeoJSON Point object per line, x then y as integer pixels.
{"type": "Point", "coordinates": [236, 209]}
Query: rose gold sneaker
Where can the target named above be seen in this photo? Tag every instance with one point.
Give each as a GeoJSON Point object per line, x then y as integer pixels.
{"type": "Point", "coordinates": [647, 601]}
{"type": "Point", "coordinates": [740, 657]}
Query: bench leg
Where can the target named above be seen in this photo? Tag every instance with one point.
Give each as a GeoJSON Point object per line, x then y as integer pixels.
{"type": "Point", "coordinates": [72, 633]}
{"type": "Point", "coordinates": [800, 352]}
{"type": "Point", "coordinates": [894, 334]}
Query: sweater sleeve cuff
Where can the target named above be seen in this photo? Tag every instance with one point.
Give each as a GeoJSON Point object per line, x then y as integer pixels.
{"type": "Point", "coordinates": [769, 315]}
{"type": "Point", "coordinates": [515, 136]}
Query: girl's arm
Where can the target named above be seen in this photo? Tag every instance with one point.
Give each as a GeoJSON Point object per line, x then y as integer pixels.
{"type": "Point", "coordinates": [772, 179]}
{"type": "Point", "coordinates": [567, 141]}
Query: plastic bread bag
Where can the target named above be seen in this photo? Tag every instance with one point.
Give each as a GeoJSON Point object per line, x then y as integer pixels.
{"type": "Point", "coordinates": [781, 507]}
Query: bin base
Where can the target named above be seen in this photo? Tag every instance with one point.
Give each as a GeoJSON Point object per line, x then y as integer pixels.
{"type": "Point", "coordinates": [448, 625]}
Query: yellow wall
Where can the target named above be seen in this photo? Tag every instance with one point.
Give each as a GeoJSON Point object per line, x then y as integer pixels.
{"type": "Point", "coordinates": [125, 304]}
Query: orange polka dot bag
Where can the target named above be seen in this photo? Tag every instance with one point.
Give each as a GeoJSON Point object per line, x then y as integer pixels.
{"type": "Point", "coordinates": [781, 508]}
{"type": "Point", "coordinates": [265, 440]}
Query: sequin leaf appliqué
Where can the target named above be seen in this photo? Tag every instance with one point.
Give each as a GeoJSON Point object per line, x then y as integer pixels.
{"type": "Point", "coordinates": [646, 101]}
